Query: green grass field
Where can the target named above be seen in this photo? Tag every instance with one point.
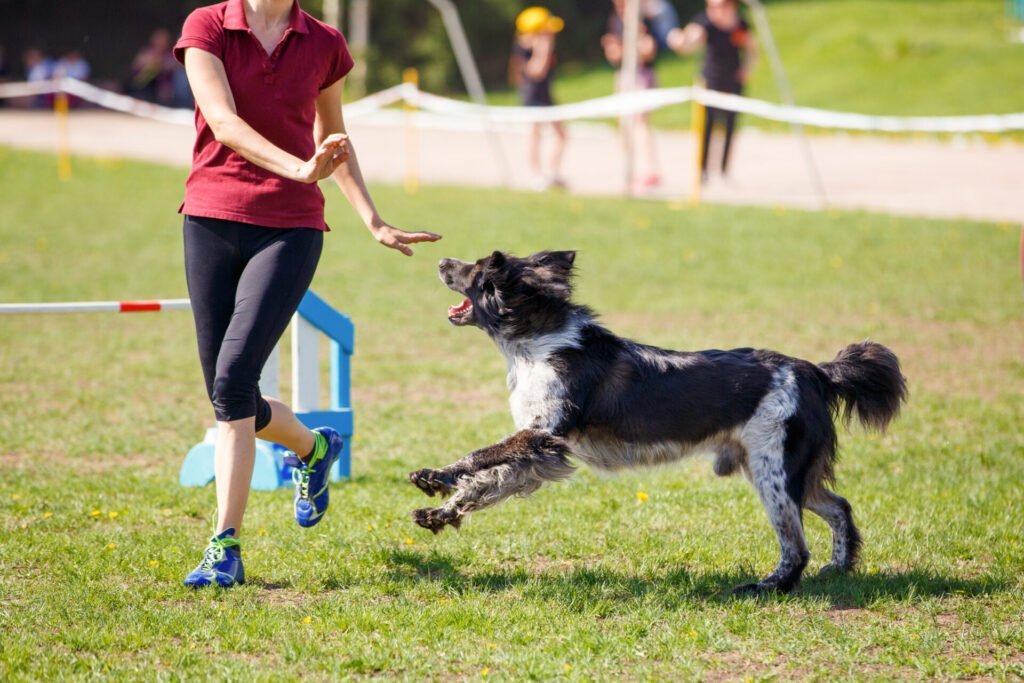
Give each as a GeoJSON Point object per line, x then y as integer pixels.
{"type": "Point", "coordinates": [907, 58]}
{"type": "Point", "coordinates": [582, 581]}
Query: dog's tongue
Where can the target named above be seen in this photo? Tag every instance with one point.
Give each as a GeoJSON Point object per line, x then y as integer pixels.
{"type": "Point", "coordinates": [455, 310]}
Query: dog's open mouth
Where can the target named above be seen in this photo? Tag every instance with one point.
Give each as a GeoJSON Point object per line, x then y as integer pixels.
{"type": "Point", "coordinates": [461, 314]}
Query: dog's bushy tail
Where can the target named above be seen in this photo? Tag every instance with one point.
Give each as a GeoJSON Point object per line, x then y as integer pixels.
{"type": "Point", "coordinates": [867, 377]}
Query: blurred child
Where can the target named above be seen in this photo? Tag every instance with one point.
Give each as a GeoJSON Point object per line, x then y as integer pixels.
{"type": "Point", "coordinates": [531, 69]}
{"type": "Point", "coordinates": [646, 175]}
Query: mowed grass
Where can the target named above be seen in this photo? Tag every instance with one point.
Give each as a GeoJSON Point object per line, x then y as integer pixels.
{"type": "Point", "coordinates": [582, 581]}
{"type": "Point", "coordinates": [906, 58]}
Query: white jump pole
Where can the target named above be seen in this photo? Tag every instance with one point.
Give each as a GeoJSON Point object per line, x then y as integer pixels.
{"type": "Point", "coordinates": [270, 384]}
{"type": "Point", "coordinates": [100, 306]}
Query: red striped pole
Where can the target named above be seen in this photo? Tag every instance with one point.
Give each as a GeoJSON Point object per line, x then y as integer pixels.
{"type": "Point", "coordinates": [99, 306]}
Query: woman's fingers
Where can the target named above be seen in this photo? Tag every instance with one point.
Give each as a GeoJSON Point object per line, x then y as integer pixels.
{"type": "Point", "coordinates": [413, 237]}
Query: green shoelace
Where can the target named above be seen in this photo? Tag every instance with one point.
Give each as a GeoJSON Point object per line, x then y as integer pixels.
{"type": "Point", "coordinates": [301, 476]}
{"type": "Point", "coordinates": [215, 551]}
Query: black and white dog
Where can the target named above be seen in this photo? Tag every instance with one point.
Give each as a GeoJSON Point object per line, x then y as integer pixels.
{"type": "Point", "coordinates": [578, 390]}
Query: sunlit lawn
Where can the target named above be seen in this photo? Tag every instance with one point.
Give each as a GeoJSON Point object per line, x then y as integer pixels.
{"type": "Point", "coordinates": [582, 581]}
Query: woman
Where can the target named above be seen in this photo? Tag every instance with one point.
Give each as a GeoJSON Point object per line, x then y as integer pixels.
{"type": "Point", "coordinates": [728, 60]}
{"type": "Point", "coordinates": [532, 67]}
{"type": "Point", "coordinates": [267, 80]}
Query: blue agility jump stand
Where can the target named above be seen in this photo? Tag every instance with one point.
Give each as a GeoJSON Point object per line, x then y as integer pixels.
{"type": "Point", "coordinates": [270, 471]}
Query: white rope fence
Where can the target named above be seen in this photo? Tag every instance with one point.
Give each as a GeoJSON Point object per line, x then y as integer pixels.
{"type": "Point", "coordinates": [621, 104]}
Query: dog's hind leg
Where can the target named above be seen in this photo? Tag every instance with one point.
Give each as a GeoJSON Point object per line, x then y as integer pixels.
{"type": "Point", "coordinates": [765, 438]}
{"type": "Point", "coordinates": [445, 480]}
{"type": "Point", "coordinates": [531, 457]}
{"type": "Point", "coordinates": [769, 478]}
{"type": "Point", "coordinates": [836, 510]}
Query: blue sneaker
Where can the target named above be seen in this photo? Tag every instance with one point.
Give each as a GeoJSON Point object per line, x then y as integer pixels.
{"type": "Point", "coordinates": [312, 479]}
{"type": "Point", "coordinates": [221, 565]}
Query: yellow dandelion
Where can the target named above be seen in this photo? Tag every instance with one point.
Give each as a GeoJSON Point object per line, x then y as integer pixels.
{"type": "Point", "coordinates": [112, 515]}
{"type": "Point", "coordinates": [111, 546]}
{"type": "Point", "coordinates": [307, 620]}
{"type": "Point", "coordinates": [95, 513]}
{"type": "Point", "coordinates": [166, 511]}
{"type": "Point", "coordinates": [16, 496]}
{"type": "Point", "coordinates": [836, 262]}
{"type": "Point", "coordinates": [492, 646]}
{"type": "Point", "coordinates": [47, 515]}
{"type": "Point", "coordinates": [262, 532]}
{"type": "Point", "coordinates": [409, 541]}
{"type": "Point", "coordinates": [641, 497]}
{"type": "Point", "coordinates": [387, 525]}
{"type": "Point", "coordinates": [568, 667]}
{"type": "Point", "coordinates": [153, 563]}
{"type": "Point", "coordinates": [443, 600]}
{"type": "Point", "coordinates": [484, 672]}
{"type": "Point", "coordinates": [693, 634]}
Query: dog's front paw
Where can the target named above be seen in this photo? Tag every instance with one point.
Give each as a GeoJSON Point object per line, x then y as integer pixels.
{"type": "Point", "coordinates": [436, 519]}
{"type": "Point", "coordinates": [433, 481]}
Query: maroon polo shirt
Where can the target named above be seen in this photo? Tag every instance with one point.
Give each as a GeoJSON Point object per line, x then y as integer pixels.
{"type": "Point", "coordinates": [276, 95]}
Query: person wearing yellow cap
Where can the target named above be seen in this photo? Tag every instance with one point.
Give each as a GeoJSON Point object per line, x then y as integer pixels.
{"type": "Point", "coordinates": [531, 69]}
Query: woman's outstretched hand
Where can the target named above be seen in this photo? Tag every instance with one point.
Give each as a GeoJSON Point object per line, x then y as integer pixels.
{"type": "Point", "coordinates": [331, 154]}
{"type": "Point", "coordinates": [396, 239]}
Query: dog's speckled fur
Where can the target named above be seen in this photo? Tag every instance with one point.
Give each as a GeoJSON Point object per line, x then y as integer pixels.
{"type": "Point", "coordinates": [578, 390]}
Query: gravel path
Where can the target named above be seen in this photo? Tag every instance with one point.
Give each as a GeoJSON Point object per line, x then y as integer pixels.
{"type": "Point", "coordinates": [957, 179]}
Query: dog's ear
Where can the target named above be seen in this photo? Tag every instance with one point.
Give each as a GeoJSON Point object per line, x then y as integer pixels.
{"type": "Point", "coordinates": [494, 267]}
{"type": "Point", "coordinates": [497, 259]}
{"type": "Point", "coordinates": [551, 272]}
{"type": "Point", "coordinates": [559, 260]}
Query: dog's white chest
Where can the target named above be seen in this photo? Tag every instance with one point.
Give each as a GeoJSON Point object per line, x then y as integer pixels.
{"type": "Point", "coordinates": [536, 393]}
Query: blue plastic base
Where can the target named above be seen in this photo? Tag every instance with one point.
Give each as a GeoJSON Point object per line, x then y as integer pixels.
{"type": "Point", "coordinates": [270, 472]}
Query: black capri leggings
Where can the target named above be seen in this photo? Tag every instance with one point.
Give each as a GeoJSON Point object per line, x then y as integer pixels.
{"type": "Point", "coordinates": [245, 283]}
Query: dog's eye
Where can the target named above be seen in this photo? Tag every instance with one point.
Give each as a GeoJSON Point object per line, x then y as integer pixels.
{"type": "Point", "coordinates": [488, 286]}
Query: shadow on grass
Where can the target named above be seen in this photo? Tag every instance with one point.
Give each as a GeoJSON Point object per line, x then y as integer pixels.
{"type": "Point", "coordinates": [579, 586]}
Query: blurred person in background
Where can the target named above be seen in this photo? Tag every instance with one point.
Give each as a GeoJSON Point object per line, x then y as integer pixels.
{"type": "Point", "coordinates": [661, 17]}
{"type": "Point", "coordinates": [5, 73]}
{"type": "Point", "coordinates": [5, 68]}
{"type": "Point", "coordinates": [531, 69]}
{"type": "Point", "coordinates": [38, 67]}
{"type": "Point", "coordinates": [152, 72]}
{"type": "Point", "coordinates": [645, 171]}
{"type": "Point", "coordinates": [72, 65]}
{"type": "Point", "coordinates": [729, 54]}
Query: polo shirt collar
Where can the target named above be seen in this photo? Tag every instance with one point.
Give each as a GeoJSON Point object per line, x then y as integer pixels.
{"type": "Point", "coordinates": [234, 17]}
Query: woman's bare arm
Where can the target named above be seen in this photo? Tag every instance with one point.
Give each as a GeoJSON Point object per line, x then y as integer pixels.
{"type": "Point", "coordinates": [213, 96]}
{"type": "Point", "coordinates": [348, 176]}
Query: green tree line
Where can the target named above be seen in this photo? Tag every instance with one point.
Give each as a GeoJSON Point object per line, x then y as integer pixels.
{"type": "Point", "coordinates": [403, 33]}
